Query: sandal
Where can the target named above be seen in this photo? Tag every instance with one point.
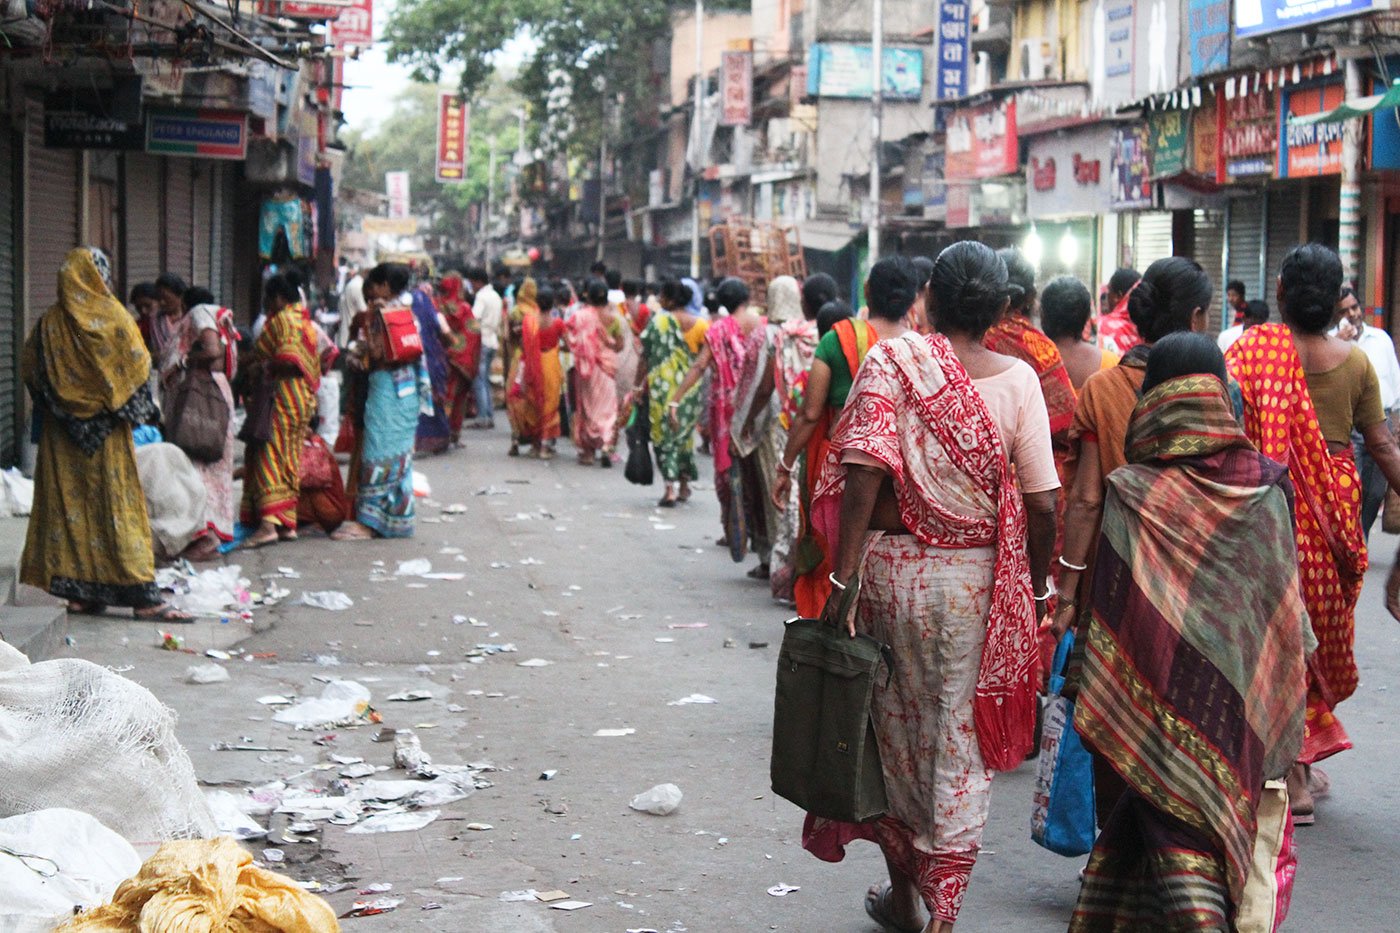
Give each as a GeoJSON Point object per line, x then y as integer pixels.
{"type": "Point", "coordinates": [758, 573]}
{"type": "Point", "coordinates": [877, 908]}
{"type": "Point", "coordinates": [162, 613]}
{"type": "Point", "coordinates": [514, 451]}
{"type": "Point", "coordinates": [666, 503]}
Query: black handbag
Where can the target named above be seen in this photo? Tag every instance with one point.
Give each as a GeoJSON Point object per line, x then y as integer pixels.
{"type": "Point", "coordinates": [257, 425]}
{"type": "Point", "coordinates": [197, 417]}
{"type": "Point", "coordinates": [638, 470]}
{"type": "Point", "coordinates": [825, 758]}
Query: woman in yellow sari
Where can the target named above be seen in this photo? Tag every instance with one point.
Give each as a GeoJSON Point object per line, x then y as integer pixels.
{"type": "Point", "coordinates": [536, 376]}
{"type": "Point", "coordinates": [86, 367]}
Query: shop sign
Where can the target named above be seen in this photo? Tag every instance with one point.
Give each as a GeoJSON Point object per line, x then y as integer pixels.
{"type": "Point", "coordinates": [1000, 203]}
{"type": "Point", "coordinates": [1313, 149]}
{"type": "Point", "coordinates": [1132, 167]}
{"type": "Point", "coordinates": [262, 89]}
{"type": "Point", "coordinates": [300, 9]}
{"type": "Point", "coordinates": [397, 188]}
{"type": "Point", "coordinates": [982, 141]}
{"type": "Point", "coordinates": [308, 146]}
{"type": "Point", "coordinates": [1168, 143]}
{"type": "Point", "coordinates": [1067, 176]}
{"type": "Point", "coordinates": [1259, 17]}
{"type": "Point", "coordinates": [89, 121]}
{"type": "Point", "coordinates": [954, 49]}
{"type": "Point", "coordinates": [1385, 137]}
{"type": "Point", "coordinates": [208, 134]}
{"type": "Point", "coordinates": [843, 70]}
{"type": "Point", "coordinates": [453, 119]}
{"type": "Point", "coordinates": [1209, 22]}
{"type": "Point", "coordinates": [1247, 128]}
{"type": "Point", "coordinates": [390, 226]}
{"type": "Point", "coordinates": [354, 25]}
{"type": "Point", "coordinates": [935, 188]}
{"type": "Point", "coordinates": [736, 88]}
{"type": "Point", "coordinates": [1204, 153]}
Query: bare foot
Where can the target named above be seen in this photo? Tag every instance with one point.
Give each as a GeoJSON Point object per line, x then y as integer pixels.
{"type": "Point", "coordinates": [163, 613]}
{"type": "Point", "coordinates": [352, 531]}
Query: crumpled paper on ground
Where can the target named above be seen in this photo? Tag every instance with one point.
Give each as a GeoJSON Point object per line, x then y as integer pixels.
{"type": "Point", "coordinates": [207, 885]}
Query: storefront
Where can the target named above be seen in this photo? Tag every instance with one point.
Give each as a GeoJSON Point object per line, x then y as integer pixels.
{"type": "Point", "coordinates": [981, 172]}
{"type": "Point", "coordinates": [1067, 191]}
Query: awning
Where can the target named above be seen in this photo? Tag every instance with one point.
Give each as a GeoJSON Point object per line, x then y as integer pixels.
{"type": "Point", "coordinates": [1356, 107]}
{"type": "Point", "coordinates": [827, 236]}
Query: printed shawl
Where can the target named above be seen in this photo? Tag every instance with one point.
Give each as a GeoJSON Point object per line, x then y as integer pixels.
{"type": "Point", "coordinates": [1282, 423]}
{"type": "Point", "coordinates": [914, 408]}
{"type": "Point", "coordinates": [1192, 686]}
{"type": "Point", "coordinates": [1016, 336]}
{"type": "Point", "coordinates": [796, 342]}
{"type": "Point", "coordinates": [464, 353]}
{"type": "Point", "coordinates": [726, 341]}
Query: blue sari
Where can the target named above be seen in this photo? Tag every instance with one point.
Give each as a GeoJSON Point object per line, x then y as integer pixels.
{"type": "Point", "coordinates": [394, 404]}
{"type": "Point", "coordinates": [433, 435]}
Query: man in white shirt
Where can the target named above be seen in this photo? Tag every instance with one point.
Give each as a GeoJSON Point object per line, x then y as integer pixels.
{"type": "Point", "coordinates": [1255, 313]}
{"type": "Point", "coordinates": [489, 310]}
{"type": "Point", "coordinates": [1380, 350]}
{"type": "Point", "coordinates": [352, 303]}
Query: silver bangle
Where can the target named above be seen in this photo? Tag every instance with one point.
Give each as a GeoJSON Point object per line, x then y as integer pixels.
{"type": "Point", "coordinates": [835, 582]}
{"type": "Point", "coordinates": [1043, 597]}
{"type": "Point", "coordinates": [1068, 566]}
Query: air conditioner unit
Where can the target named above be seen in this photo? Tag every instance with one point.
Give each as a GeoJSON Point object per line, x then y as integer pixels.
{"type": "Point", "coordinates": [980, 77]}
{"type": "Point", "coordinates": [1038, 59]}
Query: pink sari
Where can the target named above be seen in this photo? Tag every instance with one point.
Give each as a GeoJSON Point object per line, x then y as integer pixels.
{"type": "Point", "coordinates": [726, 341]}
{"type": "Point", "coordinates": [595, 368]}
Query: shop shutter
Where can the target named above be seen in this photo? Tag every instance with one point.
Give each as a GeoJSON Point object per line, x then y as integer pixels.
{"type": "Point", "coordinates": [1285, 213]}
{"type": "Point", "coordinates": [179, 221]}
{"type": "Point", "coordinates": [228, 239]}
{"type": "Point", "coordinates": [202, 216]}
{"type": "Point", "coordinates": [11, 333]}
{"type": "Point", "coordinates": [143, 223]}
{"type": "Point", "coordinates": [51, 214]}
{"type": "Point", "coordinates": [1246, 242]}
{"type": "Point", "coordinates": [1209, 230]}
{"type": "Point", "coordinates": [1152, 238]}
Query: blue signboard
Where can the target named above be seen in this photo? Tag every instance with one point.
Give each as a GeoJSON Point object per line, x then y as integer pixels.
{"type": "Point", "coordinates": [840, 70]}
{"type": "Point", "coordinates": [954, 50]}
{"type": "Point", "coordinates": [1209, 35]}
{"type": "Point", "coordinates": [1258, 17]}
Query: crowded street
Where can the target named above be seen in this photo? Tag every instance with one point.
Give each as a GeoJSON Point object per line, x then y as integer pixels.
{"type": "Point", "coordinates": [579, 568]}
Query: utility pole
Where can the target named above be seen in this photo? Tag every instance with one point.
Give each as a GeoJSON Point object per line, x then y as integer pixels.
{"type": "Point", "coordinates": [697, 137]}
{"type": "Point", "coordinates": [490, 204]}
{"type": "Point", "coordinates": [877, 77]}
{"type": "Point", "coordinates": [603, 178]}
{"type": "Point", "coordinates": [1349, 210]}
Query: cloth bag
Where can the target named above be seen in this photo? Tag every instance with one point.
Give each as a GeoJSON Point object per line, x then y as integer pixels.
{"type": "Point", "coordinates": [639, 471]}
{"type": "Point", "coordinates": [825, 758]}
{"type": "Point", "coordinates": [257, 425]}
{"type": "Point", "coordinates": [196, 420]}
{"type": "Point", "coordinates": [1062, 809]}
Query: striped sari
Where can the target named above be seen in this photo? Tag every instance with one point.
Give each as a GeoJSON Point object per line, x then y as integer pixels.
{"type": "Point", "coordinates": [1192, 685]}
{"type": "Point", "coordinates": [1282, 423]}
{"type": "Point", "coordinates": [272, 478]}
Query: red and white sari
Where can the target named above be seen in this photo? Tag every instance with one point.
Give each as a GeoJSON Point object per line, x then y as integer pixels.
{"type": "Point", "coordinates": [952, 598]}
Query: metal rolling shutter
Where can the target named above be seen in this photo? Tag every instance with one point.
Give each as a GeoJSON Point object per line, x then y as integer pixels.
{"type": "Point", "coordinates": [1285, 212]}
{"type": "Point", "coordinates": [11, 333]}
{"type": "Point", "coordinates": [179, 220]}
{"type": "Point", "coordinates": [1209, 227]}
{"type": "Point", "coordinates": [51, 214]}
{"type": "Point", "coordinates": [220, 242]}
{"type": "Point", "coordinates": [1152, 238]}
{"type": "Point", "coordinates": [202, 216]}
{"type": "Point", "coordinates": [1246, 244]}
{"type": "Point", "coordinates": [142, 225]}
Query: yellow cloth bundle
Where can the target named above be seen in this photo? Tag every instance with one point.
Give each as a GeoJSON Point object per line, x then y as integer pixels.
{"type": "Point", "coordinates": [207, 886]}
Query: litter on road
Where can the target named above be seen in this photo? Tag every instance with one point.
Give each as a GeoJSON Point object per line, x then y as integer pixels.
{"type": "Point", "coordinates": [613, 733]}
{"type": "Point", "coordinates": [206, 674]}
{"type": "Point", "coordinates": [331, 600]}
{"type": "Point", "coordinates": [693, 699]}
{"type": "Point", "coordinates": [661, 800]}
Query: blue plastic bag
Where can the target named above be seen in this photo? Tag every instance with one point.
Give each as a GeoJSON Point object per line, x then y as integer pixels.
{"type": "Point", "coordinates": [1062, 810]}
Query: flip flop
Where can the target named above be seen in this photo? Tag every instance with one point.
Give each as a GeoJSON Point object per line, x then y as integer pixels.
{"type": "Point", "coordinates": [666, 504]}
{"type": "Point", "coordinates": [876, 905]}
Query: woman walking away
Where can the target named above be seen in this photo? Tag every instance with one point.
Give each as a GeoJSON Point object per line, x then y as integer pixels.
{"type": "Point", "coordinates": [206, 339]}
{"type": "Point", "coordinates": [595, 334]}
{"type": "Point", "coordinates": [1192, 684]}
{"type": "Point", "coordinates": [286, 361]}
{"type": "Point", "coordinates": [722, 357]}
{"type": "Point", "coordinates": [954, 578]}
{"type": "Point", "coordinates": [1304, 393]}
{"type": "Point", "coordinates": [1065, 307]}
{"type": "Point", "coordinates": [433, 435]}
{"type": "Point", "coordinates": [392, 396]}
{"type": "Point", "coordinates": [463, 342]}
{"type": "Point", "coordinates": [536, 380]}
{"type": "Point", "coordinates": [671, 342]}
{"type": "Point", "coordinates": [85, 365]}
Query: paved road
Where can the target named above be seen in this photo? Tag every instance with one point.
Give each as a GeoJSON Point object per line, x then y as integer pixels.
{"type": "Point", "coordinates": [578, 568]}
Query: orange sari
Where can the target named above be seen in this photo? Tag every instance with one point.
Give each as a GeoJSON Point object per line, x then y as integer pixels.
{"type": "Point", "coordinates": [536, 377]}
{"type": "Point", "coordinates": [1281, 421]}
{"type": "Point", "coordinates": [816, 538]}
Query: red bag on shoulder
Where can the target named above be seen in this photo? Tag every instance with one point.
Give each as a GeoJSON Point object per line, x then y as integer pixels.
{"type": "Point", "coordinates": [400, 342]}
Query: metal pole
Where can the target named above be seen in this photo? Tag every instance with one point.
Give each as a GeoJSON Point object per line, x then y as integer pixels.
{"type": "Point", "coordinates": [602, 181]}
{"type": "Point", "coordinates": [877, 55]}
{"type": "Point", "coordinates": [698, 138]}
{"type": "Point", "coordinates": [490, 205]}
{"type": "Point", "coordinates": [1349, 210]}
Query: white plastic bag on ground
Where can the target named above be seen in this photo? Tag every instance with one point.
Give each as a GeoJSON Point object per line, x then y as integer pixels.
{"type": "Point", "coordinates": [231, 814]}
{"type": "Point", "coordinates": [77, 862]}
{"type": "Point", "coordinates": [206, 674]}
{"type": "Point", "coordinates": [77, 735]}
{"type": "Point", "coordinates": [332, 600]}
{"type": "Point", "coordinates": [176, 497]}
{"type": "Point", "coordinates": [414, 568]}
{"type": "Point", "coordinates": [16, 493]}
{"type": "Point", "coordinates": [210, 592]}
{"type": "Point", "coordinates": [662, 800]}
{"type": "Point", "coordinates": [342, 701]}
{"type": "Point", "coordinates": [421, 488]}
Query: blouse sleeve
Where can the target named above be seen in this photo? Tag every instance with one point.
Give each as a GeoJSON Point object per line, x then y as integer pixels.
{"type": "Point", "coordinates": [1029, 447]}
{"type": "Point", "coordinates": [1369, 410]}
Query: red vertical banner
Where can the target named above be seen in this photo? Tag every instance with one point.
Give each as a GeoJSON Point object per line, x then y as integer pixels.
{"type": "Point", "coordinates": [354, 25]}
{"type": "Point", "coordinates": [736, 88]}
{"type": "Point", "coordinates": [453, 118]}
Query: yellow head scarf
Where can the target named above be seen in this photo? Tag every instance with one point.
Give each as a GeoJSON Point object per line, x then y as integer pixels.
{"type": "Point", "coordinates": [92, 351]}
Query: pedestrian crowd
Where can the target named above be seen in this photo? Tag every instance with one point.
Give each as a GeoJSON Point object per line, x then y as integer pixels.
{"type": "Point", "coordinates": [990, 463]}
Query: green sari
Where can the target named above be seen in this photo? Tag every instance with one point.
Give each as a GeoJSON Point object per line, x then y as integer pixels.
{"type": "Point", "coordinates": [669, 351]}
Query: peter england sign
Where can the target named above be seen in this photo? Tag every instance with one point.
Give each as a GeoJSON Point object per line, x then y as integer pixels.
{"type": "Point", "coordinates": [208, 134]}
